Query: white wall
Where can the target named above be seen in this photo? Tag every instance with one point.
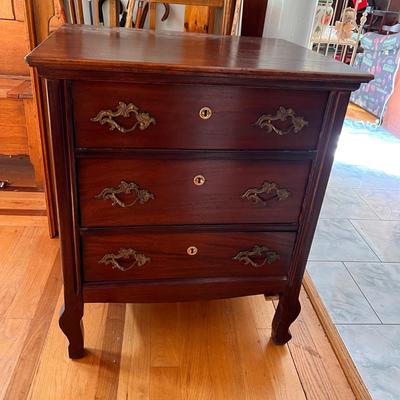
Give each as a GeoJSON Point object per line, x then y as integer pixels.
{"type": "Point", "coordinates": [174, 22]}
{"type": "Point", "coordinates": [287, 19]}
{"type": "Point", "coordinates": [290, 19]}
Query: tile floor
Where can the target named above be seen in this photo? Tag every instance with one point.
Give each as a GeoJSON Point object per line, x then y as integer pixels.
{"type": "Point", "coordinates": [355, 257]}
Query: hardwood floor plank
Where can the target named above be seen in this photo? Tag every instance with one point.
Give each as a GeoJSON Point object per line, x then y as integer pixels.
{"type": "Point", "coordinates": [196, 376]}
{"type": "Point", "coordinates": [343, 356]}
{"type": "Point", "coordinates": [312, 354]}
{"type": "Point", "coordinates": [8, 238]}
{"type": "Point", "coordinates": [277, 358]}
{"type": "Point", "coordinates": [23, 212]}
{"type": "Point", "coordinates": [356, 113]}
{"type": "Point", "coordinates": [82, 379]}
{"type": "Point", "coordinates": [22, 200]}
{"type": "Point", "coordinates": [58, 377]}
{"type": "Point", "coordinates": [134, 379]}
{"type": "Point", "coordinates": [12, 336]}
{"type": "Point", "coordinates": [263, 380]}
{"type": "Point", "coordinates": [165, 335]}
{"type": "Point", "coordinates": [279, 361]}
{"type": "Point", "coordinates": [21, 379]}
{"type": "Point", "coordinates": [263, 311]}
{"type": "Point", "coordinates": [36, 275]}
{"type": "Point", "coordinates": [228, 377]}
{"type": "Point", "coordinates": [165, 383]}
{"type": "Point", "coordinates": [18, 257]}
{"type": "Point", "coordinates": [109, 367]}
{"type": "Point", "coordinates": [23, 220]}
{"type": "Point", "coordinates": [50, 375]}
{"type": "Point", "coordinates": [330, 362]}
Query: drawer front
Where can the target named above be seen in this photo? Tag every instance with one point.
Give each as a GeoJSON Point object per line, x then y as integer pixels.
{"type": "Point", "coordinates": [117, 257]}
{"type": "Point", "coordinates": [114, 115]}
{"type": "Point", "coordinates": [174, 192]}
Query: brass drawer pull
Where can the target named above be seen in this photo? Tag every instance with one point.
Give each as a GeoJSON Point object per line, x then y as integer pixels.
{"type": "Point", "coordinates": [267, 256]}
{"type": "Point", "coordinates": [125, 254]}
{"type": "Point", "coordinates": [110, 193]}
{"type": "Point", "coordinates": [192, 250]}
{"type": "Point", "coordinates": [269, 188]}
{"type": "Point", "coordinates": [283, 114]}
{"type": "Point", "coordinates": [143, 119]}
{"type": "Point", "coordinates": [205, 113]}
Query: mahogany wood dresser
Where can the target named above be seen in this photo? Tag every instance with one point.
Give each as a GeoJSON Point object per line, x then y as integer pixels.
{"type": "Point", "coordinates": [187, 166]}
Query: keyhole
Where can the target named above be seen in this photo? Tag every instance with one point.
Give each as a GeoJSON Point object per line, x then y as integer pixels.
{"type": "Point", "coordinates": [192, 250]}
{"type": "Point", "coordinates": [199, 180]}
{"type": "Point", "coordinates": [205, 113]}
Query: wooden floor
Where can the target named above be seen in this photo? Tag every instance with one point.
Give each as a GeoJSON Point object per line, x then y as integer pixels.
{"type": "Point", "coordinates": [201, 350]}
{"type": "Point", "coordinates": [356, 113]}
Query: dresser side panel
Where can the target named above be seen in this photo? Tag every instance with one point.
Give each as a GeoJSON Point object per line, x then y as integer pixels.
{"type": "Point", "coordinates": [318, 180]}
{"type": "Point", "coordinates": [61, 137]}
{"type": "Point", "coordinates": [65, 181]}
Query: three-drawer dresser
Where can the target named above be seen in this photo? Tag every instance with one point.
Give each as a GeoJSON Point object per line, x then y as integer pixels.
{"type": "Point", "coordinates": [187, 166]}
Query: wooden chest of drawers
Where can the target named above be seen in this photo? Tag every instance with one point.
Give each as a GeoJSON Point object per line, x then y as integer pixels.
{"type": "Point", "coordinates": [187, 166]}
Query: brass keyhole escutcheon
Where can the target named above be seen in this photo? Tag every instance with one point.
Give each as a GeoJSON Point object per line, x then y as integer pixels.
{"type": "Point", "coordinates": [192, 250]}
{"type": "Point", "coordinates": [205, 113]}
{"type": "Point", "coordinates": [199, 180]}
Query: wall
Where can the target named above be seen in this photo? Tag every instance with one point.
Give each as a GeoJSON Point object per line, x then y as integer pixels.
{"type": "Point", "coordinates": [174, 22]}
{"type": "Point", "coordinates": [287, 19]}
{"type": "Point", "coordinates": [290, 19]}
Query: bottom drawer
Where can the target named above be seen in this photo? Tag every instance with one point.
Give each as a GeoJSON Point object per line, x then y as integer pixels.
{"type": "Point", "coordinates": [124, 257]}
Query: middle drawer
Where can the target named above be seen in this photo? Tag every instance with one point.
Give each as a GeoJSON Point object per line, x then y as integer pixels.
{"type": "Point", "coordinates": [115, 192]}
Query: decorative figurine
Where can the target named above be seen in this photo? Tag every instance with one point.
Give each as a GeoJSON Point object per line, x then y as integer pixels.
{"type": "Point", "coordinates": [345, 27]}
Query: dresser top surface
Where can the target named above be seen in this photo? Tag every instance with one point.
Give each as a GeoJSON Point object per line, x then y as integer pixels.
{"type": "Point", "coordinates": [87, 47]}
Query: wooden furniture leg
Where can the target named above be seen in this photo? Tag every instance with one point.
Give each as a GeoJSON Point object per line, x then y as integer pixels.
{"type": "Point", "coordinates": [287, 311]}
{"type": "Point", "coordinates": [71, 324]}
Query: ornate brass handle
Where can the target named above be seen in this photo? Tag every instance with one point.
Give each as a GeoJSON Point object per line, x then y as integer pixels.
{"type": "Point", "coordinates": [267, 256]}
{"type": "Point", "coordinates": [125, 254]}
{"type": "Point", "coordinates": [143, 119]}
{"type": "Point", "coordinates": [269, 188]}
{"type": "Point", "coordinates": [283, 114]}
{"type": "Point", "coordinates": [110, 193]}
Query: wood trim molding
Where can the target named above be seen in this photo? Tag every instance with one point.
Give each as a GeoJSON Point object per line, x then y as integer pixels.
{"type": "Point", "coordinates": [349, 369]}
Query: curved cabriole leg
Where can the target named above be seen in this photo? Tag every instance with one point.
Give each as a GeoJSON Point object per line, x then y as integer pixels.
{"type": "Point", "coordinates": [287, 311]}
{"type": "Point", "coordinates": [71, 324]}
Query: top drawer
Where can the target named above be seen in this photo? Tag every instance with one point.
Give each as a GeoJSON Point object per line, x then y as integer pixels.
{"type": "Point", "coordinates": [115, 115]}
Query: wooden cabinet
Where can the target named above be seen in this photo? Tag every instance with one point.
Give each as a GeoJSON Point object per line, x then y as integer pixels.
{"type": "Point", "coordinates": [19, 127]}
{"type": "Point", "coordinates": [184, 174]}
